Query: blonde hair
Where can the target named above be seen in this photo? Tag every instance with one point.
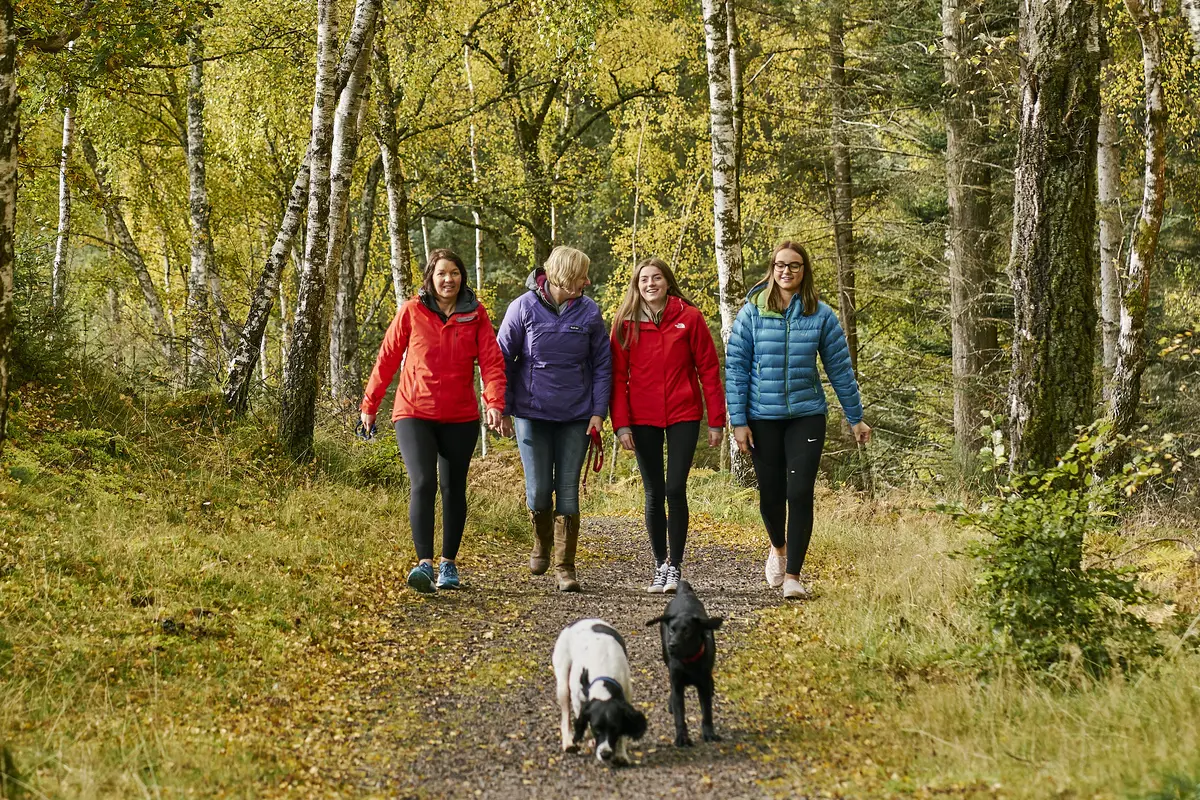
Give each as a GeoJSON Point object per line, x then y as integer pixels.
{"type": "Point", "coordinates": [627, 322]}
{"type": "Point", "coordinates": [808, 287]}
{"type": "Point", "coordinates": [566, 265]}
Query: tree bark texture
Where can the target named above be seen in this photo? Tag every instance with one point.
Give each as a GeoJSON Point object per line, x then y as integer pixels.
{"type": "Point", "coordinates": [727, 221]}
{"type": "Point", "coordinates": [1053, 264]}
{"type": "Point", "coordinates": [132, 254]}
{"type": "Point", "coordinates": [737, 93]}
{"type": "Point", "coordinates": [969, 240]}
{"type": "Point", "coordinates": [1191, 12]}
{"type": "Point", "coordinates": [200, 364]}
{"type": "Point", "coordinates": [345, 374]}
{"type": "Point", "coordinates": [302, 375]}
{"type": "Point", "coordinates": [842, 194]}
{"type": "Point", "coordinates": [10, 109]}
{"type": "Point", "coordinates": [1108, 174]}
{"type": "Point", "coordinates": [58, 277]}
{"type": "Point", "coordinates": [1135, 278]}
{"type": "Point", "coordinates": [479, 269]}
{"type": "Point", "coordinates": [387, 136]}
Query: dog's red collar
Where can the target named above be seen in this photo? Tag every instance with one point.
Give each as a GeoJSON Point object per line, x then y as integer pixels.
{"type": "Point", "coordinates": [693, 659]}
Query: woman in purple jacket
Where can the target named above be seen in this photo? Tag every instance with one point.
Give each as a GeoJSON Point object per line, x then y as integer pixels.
{"type": "Point", "coordinates": [559, 378]}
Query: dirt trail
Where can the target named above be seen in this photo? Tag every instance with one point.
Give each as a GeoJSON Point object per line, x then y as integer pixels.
{"type": "Point", "coordinates": [503, 742]}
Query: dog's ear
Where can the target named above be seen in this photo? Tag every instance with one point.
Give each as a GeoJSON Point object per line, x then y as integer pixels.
{"type": "Point", "coordinates": [658, 619]}
{"type": "Point", "coordinates": [635, 723]}
{"type": "Point", "coordinates": [584, 681]}
{"type": "Point", "coordinates": [712, 623]}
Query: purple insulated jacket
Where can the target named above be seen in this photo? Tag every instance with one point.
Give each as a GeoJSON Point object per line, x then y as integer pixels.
{"type": "Point", "coordinates": [558, 361]}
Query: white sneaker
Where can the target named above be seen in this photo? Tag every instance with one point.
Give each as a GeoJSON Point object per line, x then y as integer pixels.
{"type": "Point", "coordinates": [660, 579]}
{"type": "Point", "coordinates": [674, 576]}
{"type": "Point", "coordinates": [795, 590]}
{"type": "Point", "coordinates": [775, 569]}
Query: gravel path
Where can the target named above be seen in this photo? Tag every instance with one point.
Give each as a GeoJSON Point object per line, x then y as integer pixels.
{"type": "Point", "coordinates": [502, 741]}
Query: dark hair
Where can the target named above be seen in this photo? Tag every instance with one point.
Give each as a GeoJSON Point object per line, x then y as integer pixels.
{"type": "Point", "coordinates": [808, 288]}
{"type": "Point", "coordinates": [441, 254]}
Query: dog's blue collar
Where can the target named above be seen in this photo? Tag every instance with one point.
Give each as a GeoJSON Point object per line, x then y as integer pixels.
{"type": "Point", "coordinates": [614, 688]}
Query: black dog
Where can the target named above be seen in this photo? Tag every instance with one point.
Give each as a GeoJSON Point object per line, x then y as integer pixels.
{"type": "Point", "coordinates": [689, 650]}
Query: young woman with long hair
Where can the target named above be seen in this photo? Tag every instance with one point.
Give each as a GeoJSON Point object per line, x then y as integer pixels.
{"type": "Point", "coordinates": [664, 362]}
{"type": "Point", "coordinates": [777, 404]}
{"type": "Point", "coordinates": [438, 336]}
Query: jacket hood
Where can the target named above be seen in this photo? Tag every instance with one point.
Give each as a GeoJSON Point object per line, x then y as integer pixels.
{"type": "Point", "coordinates": [537, 282]}
{"type": "Point", "coordinates": [467, 301]}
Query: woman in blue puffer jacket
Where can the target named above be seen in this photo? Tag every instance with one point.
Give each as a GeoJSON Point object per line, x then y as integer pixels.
{"type": "Point", "coordinates": [776, 403]}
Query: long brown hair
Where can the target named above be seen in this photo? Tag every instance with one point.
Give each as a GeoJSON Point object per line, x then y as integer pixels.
{"type": "Point", "coordinates": [629, 313]}
{"type": "Point", "coordinates": [808, 287]}
{"type": "Point", "coordinates": [442, 254]}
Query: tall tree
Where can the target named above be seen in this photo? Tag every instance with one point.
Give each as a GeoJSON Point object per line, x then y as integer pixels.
{"type": "Point", "coordinates": [1053, 263]}
{"type": "Point", "coordinates": [10, 104]}
{"type": "Point", "coordinates": [1135, 275]}
{"type": "Point", "coordinates": [969, 239]}
{"type": "Point", "coordinates": [726, 219]}
{"type": "Point", "coordinates": [199, 361]}
{"type": "Point", "coordinates": [842, 189]}
{"type": "Point", "coordinates": [301, 375]}
{"type": "Point", "coordinates": [58, 275]}
{"type": "Point", "coordinates": [1191, 11]}
{"type": "Point", "coordinates": [388, 138]}
{"type": "Point", "coordinates": [1108, 172]}
{"type": "Point", "coordinates": [345, 376]}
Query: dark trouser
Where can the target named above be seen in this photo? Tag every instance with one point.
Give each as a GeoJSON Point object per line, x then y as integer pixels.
{"type": "Point", "coordinates": [437, 453]}
{"type": "Point", "coordinates": [672, 488]}
{"type": "Point", "coordinates": [786, 454]}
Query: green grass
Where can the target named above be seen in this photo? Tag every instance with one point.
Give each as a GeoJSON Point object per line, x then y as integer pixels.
{"type": "Point", "coordinates": [182, 612]}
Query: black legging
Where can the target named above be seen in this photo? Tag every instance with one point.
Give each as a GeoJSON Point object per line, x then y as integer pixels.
{"type": "Point", "coordinates": [437, 453]}
{"type": "Point", "coordinates": [786, 455]}
{"type": "Point", "coordinates": [681, 447]}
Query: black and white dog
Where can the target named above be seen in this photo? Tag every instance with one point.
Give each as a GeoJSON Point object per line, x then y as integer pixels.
{"type": "Point", "coordinates": [690, 650]}
{"type": "Point", "coordinates": [592, 671]}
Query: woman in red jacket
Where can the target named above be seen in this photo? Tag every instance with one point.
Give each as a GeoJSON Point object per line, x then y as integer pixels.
{"type": "Point", "coordinates": [663, 354]}
{"type": "Point", "coordinates": [438, 336]}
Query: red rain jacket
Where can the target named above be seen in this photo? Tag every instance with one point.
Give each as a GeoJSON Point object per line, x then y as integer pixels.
{"type": "Point", "coordinates": [657, 381]}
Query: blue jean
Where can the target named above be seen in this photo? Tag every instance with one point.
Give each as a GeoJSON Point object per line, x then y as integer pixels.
{"type": "Point", "coordinates": [552, 454]}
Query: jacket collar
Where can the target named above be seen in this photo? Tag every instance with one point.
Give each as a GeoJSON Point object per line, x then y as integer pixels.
{"type": "Point", "coordinates": [538, 283]}
{"type": "Point", "coordinates": [466, 302]}
{"type": "Point", "coordinates": [757, 296]}
{"type": "Point", "coordinates": [671, 310]}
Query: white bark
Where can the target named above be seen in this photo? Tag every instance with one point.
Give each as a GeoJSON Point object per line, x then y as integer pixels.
{"type": "Point", "coordinates": [637, 188]}
{"type": "Point", "coordinates": [10, 109]}
{"type": "Point", "coordinates": [129, 250]}
{"type": "Point", "coordinates": [1108, 173]}
{"type": "Point", "coordinates": [400, 259]}
{"type": "Point", "coordinates": [58, 280]}
{"type": "Point", "coordinates": [1135, 279]}
{"type": "Point", "coordinates": [727, 221]}
{"type": "Point", "coordinates": [483, 440]}
{"type": "Point", "coordinates": [199, 323]}
{"type": "Point", "coordinates": [1191, 12]}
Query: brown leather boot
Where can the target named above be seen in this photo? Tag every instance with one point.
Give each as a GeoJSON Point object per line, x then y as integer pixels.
{"type": "Point", "coordinates": [566, 537]}
{"type": "Point", "coordinates": [543, 540]}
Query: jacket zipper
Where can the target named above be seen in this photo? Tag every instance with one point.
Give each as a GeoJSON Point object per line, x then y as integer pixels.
{"type": "Point", "coordinates": [787, 336]}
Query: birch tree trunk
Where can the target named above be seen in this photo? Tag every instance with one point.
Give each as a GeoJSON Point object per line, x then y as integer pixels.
{"type": "Point", "coordinates": [58, 278]}
{"type": "Point", "coordinates": [483, 432]}
{"type": "Point", "coordinates": [199, 323]}
{"type": "Point", "coordinates": [843, 188]}
{"type": "Point", "coordinates": [129, 250]}
{"type": "Point", "coordinates": [1053, 263]}
{"type": "Point", "coordinates": [727, 221]}
{"type": "Point", "coordinates": [393, 179]}
{"type": "Point", "coordinates": [1191, 12]}
{"type": "Point", "coordinates": [1108, 172]}
{"type": "Point", "coordinates": [1135, 277]}
{"type": "Point", "coordinates": [736, 92]}
{"type": "Point", "coordinates": [10, 109]}
{"type": "Point", "coordinates": [301, 377]}
{"type": "Point", "coordinates": [969, 241]}
{"type": "Point", "coordinates": [345, 376]}
{"type": "Point", "coordinates": [241, 364]}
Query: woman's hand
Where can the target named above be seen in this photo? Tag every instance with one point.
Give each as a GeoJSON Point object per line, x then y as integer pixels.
{"type": "Point", "coordinates": [715, 435]}
{"type": "Point", "coordinates": [367, 420]}
{"type": "Point", "coordinates": [626, 440]}
{"type": "Point", "coordinates": [494, 416]}
{"type": "Point", "coordinates": [506, 427]}
{"type": "Point", "coordinates": [861, 431]}
{"type": "Point", "coordinates": [744, 438]}
{"type": "Point", "coordinates": [595, 424]}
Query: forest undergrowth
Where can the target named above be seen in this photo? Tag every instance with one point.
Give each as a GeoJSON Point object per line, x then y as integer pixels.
{"type": "Point", "coordinates": [184, 612]}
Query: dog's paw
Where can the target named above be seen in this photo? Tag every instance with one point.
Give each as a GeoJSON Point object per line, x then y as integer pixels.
{"type": "Point", "coordinates": [711, 736]}
{"type": "Point", "coordinates": [573, 747]}
{"type": "Point", "coordinates": [683, 741]}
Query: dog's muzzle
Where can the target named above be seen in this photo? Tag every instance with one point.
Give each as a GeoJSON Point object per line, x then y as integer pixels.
{"type": "Point", "coordinates": [604, 752]}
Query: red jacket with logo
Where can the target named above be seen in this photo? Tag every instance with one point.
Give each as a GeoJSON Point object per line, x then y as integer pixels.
{"type": "Point", "coordinates": [657, 380]}
{"type": "Point", "coordinates": [436, 357]}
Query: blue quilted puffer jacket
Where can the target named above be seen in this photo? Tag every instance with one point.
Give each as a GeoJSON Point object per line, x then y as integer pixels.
{"type": "Point", "coordinates": [771, 362]}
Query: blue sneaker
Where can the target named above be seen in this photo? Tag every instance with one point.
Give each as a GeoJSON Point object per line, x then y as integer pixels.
{"type": "Point", "coordinates": [448, 576]}
{"type": "Point", "coordinates": [420, 578]}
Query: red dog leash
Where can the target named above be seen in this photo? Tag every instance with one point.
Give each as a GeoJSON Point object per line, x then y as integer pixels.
{"type": "Point", "coordinates": [595, 454]}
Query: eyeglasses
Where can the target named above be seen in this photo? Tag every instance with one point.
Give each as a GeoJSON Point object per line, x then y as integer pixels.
{"type": "Point", "coordinates": [795, 266]}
